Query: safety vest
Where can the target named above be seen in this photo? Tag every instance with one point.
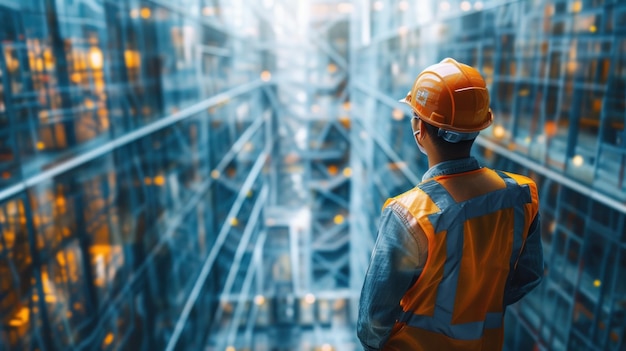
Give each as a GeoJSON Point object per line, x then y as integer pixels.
{"type": "Point", "coordinates": [476, 224]}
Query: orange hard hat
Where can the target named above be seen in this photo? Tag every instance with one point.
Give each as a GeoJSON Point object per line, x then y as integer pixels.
{"type": "Point", "coordinates": [453, 97]}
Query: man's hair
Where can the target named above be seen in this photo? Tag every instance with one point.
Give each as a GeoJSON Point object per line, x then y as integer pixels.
{"type": "Point", "coordinates": [445, 146]}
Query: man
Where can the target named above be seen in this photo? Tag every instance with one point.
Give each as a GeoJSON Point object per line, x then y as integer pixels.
{"type": "Point", "coordinates": [454, 251]}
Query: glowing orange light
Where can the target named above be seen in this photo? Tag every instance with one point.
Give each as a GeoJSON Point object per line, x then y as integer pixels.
{"type": "Point", "coordinates": [146, 13]}
{"type": "Point", "coordinates": [578, 160]}
{"type": "Point", "coordinates": [266, 76]}
{"type": "Point", "coordinates": [76, 77]}
{"type": "Point", "coordinates": [332, 169]}
{"type": "Point", "coordinates": [550, 128]}
{"type": "Point", "coordinates": [60, 201]}
{"type": "Point", "coordinates": [347, 172]}
{"type": "Point", "coordinates": [309, 298]}
{"type": "Point", "coordinates": [397, 114]}
{"type": "Point", "coordinates": [395, 166]}
{"type": "Point", "coordinates": [499, 132]}
{"type": "Point", "coordinates": [259, 300]}
{"type": "Point", "coordinates": [338, 219]}
{"type": "Point", "coordinates": [159, 180]}
{"type": "Point", "coordinates": [132, 58]}
{"type": "Point", "coordinates": [48, 60]}
{"type": "Point", "coordinates": [21, 317]}
{"type": "Point", "coordinates": [108, 339]}
{"type": "Point", "coordinates": [13, 64]}
{"type": "Point", "coordinates": [597, 105]}
{"type": "Point", "coordinates": [95, 58]}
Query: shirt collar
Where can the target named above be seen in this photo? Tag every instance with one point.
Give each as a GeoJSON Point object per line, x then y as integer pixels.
{"type": "Point", "coordinates": [451, 167]}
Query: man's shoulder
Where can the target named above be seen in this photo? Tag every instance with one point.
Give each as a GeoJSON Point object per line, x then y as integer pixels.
{"type": "Point", "coordinates": [520, 178]}
{"type": "Point", "coordinates": [407, 198]}
{"type": "Point", "coordinates": [529, 183]}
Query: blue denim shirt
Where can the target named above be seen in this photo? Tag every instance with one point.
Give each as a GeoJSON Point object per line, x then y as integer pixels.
{"type": "Point", "coordinates": [451, 167]}
{"type": "Point", "coordinates": [399, 256]}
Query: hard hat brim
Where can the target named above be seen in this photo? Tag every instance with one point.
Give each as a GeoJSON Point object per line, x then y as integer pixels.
{"type": "Point", "coordinates": [405, 100]}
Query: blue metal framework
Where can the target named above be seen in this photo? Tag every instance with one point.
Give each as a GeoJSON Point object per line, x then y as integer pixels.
{"type": "Point", "coordinates": [123, 172]}
{"type": "Point", "coordinates": [204, 174]}
{"type": "Point", "coordinates": [555, 70]}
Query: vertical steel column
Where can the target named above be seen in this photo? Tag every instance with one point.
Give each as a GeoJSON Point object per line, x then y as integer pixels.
{"type": "Point", "coordinates": [59, 49]}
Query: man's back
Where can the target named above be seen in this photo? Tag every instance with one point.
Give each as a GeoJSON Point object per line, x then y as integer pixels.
{"type": "Point", "coordinates": [475, 223]}
{"type": "Point", "coordinates": [453, 252]}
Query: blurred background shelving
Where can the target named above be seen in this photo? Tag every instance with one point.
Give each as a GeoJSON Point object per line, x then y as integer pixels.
{"type": "Point", "coordinates": [208, 175]}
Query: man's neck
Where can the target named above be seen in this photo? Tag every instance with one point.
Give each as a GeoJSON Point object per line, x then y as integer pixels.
{"type": "Point", "coordinates": [438, 158]}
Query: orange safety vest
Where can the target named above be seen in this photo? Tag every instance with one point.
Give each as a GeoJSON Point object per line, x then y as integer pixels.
{"type": "Point", "coordinates": [476, 224]}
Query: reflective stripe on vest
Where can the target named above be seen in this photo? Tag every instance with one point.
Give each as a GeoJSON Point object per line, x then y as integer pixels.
{"type": "Point", "coordinates": [514, 196]}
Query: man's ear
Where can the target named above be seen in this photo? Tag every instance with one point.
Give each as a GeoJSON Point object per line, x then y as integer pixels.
{"type": "Point", "coordinates": [422, 128]}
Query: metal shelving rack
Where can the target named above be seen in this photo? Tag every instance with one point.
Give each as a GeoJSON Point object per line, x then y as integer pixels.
{"type": "Point", "coordinates": [123, 173]}
{"type": "Point", "coordinates": [555, 71]}
{"type": "Point", "coordinates": [209, 174]}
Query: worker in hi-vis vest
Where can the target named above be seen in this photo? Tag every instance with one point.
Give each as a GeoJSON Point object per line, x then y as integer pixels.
{"type": "Point", "coordinates": [455, 250]}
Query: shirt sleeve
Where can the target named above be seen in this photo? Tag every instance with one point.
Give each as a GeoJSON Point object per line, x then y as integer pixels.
{"type": "Point", "coordinates": [529, 271]}
{"type": "Point", "coordinates": [394, 266]}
